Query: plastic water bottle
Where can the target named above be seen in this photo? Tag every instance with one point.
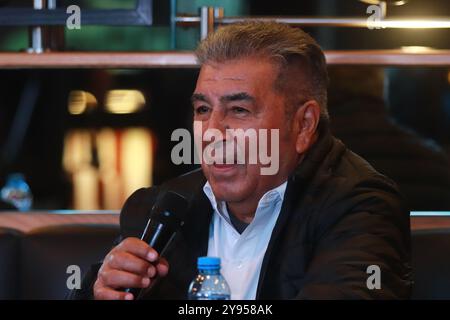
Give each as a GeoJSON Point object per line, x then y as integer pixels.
{"type": "Point", "coordinates": [209, 284]}
{"type": "Point", "coordinates": [17, 192]}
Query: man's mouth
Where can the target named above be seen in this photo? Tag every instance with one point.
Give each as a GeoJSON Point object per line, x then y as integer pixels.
{"type": "Point", "coordinates": [224, 169]}
{"type": "Point", "coordinates": [224, 166]}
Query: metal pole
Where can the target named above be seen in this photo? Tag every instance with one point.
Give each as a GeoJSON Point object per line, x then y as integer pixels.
{"type": "Point", "coordinates": [218, 13]}
{"type": "Point", "coordinates": [173, 24]}
{"type": "Point", "coordinates": [51, 4]}
{"type": "Point", "coordinates": [349, 22]}
{"type": "Point", "coordinates": [304, 21]}
{"type": "Point", "coordinates": [43, 38]}
{"type": "Point", "coordinates": [206, 21]}
{"type": "Point", "coordinates": [37, 33]}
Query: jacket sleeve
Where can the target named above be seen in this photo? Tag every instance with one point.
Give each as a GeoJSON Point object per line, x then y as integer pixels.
{"type": "Point", "coordinates": [365, 254]}
{"type": "Point", "coordinates": [133, 218]}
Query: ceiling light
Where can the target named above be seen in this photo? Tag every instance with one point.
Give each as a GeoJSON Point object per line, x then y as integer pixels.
{"type": "Point", "coordinates": [124, 101]}
{"type": "Point", "coordinates": [80, 102]}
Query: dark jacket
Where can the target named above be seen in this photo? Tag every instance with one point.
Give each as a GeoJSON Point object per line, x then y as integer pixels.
{"type": "Point", "coordinates": [338, 217]}
{"type": "Point", "coordinates": [420, 168]}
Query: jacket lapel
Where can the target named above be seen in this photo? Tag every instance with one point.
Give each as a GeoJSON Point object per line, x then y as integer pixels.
{"type": "Point", "coordinates": [297, 184]}
{"type": "Point", "coordinates": [196, 230]}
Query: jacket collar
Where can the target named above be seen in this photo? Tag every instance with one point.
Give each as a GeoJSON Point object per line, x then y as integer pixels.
{"type": "Point", "coordinates": [298, 182]}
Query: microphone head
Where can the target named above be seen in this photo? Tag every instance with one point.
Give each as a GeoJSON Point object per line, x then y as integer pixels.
{"type": "Point", "coordinates": [171, 209]}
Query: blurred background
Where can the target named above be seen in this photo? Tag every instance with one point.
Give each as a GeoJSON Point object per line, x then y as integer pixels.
{"type": "Point", "coordinates": [86, 138]}
{"type": "Point", "coordinates": [86, 117]}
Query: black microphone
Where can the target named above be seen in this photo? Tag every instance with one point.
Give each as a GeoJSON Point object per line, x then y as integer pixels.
{"type": "Point", "coordinates": [166, 219]}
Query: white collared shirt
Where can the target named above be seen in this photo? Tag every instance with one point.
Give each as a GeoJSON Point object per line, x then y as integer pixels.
{"type": "Point", "coordinates": [242, 254]}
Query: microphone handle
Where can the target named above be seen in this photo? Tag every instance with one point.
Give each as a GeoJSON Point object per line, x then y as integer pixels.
{"type": "Point", "coordinates": [158, 246]}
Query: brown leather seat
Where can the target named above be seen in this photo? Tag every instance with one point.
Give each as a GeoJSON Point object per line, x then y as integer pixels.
{"type": "Point", "coordinates": [431, 264]}
{"type": "Point", "coordinates": [47, 252]}
{"type": "Point", "coordinates": [9, 263]}
{"type": "Point", "coordinates": [33, 266]}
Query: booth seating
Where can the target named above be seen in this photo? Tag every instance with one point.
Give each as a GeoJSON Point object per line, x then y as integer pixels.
{"type": "Point", "coordinates": [33, 265]}
{"type": "Point", "coordinates": [431, 263]}
{"type": "Point", "coordinates": [9, 263]}
{"type": "Point", "coordinates": [46, 253]}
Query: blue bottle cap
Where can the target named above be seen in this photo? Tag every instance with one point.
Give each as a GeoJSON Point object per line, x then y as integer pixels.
{"type": "Point", "coordinates": [208, 263]}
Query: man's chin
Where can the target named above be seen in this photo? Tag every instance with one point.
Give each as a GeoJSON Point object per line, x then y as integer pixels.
{"type": "Point", "coordinates": [229, 190]}
{"type": "Point", "coordinates": [228, 195]}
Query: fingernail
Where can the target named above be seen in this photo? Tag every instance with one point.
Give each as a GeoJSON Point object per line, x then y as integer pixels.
{"type": "Point", "coordinates": [129, 296]}
{"type": "Point", "coordinates": [151, 272]}
{"type": "Point", "coordinates": [152, 256]}
{"type": "Point", "coordinates": [145, 282]}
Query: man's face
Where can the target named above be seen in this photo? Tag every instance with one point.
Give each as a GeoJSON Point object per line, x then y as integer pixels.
{"type": "Point", "coordinates": [240, 94]}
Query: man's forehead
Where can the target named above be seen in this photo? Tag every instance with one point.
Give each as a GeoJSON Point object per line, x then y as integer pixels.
{"type": "Point", "coordinates": [236, 70]}
{"type": "Point", "coordinates": [221, 73]}
{"type": "Point", "coordinates": [221, 83]}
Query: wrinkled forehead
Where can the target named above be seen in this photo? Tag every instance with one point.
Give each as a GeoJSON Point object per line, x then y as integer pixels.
{"type": "Point", "coordinates": [249, 74]}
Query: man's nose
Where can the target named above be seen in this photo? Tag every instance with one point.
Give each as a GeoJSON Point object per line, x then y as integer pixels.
{"type": "Point", "coordinates": [218, 121]}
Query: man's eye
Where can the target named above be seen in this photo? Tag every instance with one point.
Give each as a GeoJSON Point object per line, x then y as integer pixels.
{"type": "Point", "coordinates": [201, 110]}
{"type": "Point", "coordinates": [239, 110]}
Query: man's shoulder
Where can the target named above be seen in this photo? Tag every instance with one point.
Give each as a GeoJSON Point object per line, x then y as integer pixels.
{"type": "Point", "coordinates": [350, 186]}
{"type": "Point", "coordinates": [341, 172]}
{"type": "Point", "coordinates": [359, 172]}
{"type": "Point", "coordinates": [357, 180]}
{"type": "Point", "coordinates": [137, 208]}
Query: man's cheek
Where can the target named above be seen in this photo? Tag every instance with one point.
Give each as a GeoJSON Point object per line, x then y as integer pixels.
{"type": "Point", "coordinates": [198, 141]}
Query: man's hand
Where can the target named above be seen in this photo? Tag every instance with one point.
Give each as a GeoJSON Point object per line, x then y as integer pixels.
{"type": "Point", "coordinates": [131, 264]}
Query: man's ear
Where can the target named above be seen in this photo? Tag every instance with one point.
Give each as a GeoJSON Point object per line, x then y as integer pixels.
{"type": "Point", "coordinates": [306, 119]}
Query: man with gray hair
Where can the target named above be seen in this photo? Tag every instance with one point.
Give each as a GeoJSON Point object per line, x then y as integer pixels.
{"type": "Point", "coordinates": [326, 225]}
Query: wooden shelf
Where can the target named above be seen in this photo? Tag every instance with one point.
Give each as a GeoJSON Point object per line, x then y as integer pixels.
{"type": "Point", "coordinates": [179, 59]}
{"type": "Point", "coordinates": [28, 221]}
{"type": "Point", "coordinates": [389, 58]}
{"type": "Point", "coordinates": [99, 60]}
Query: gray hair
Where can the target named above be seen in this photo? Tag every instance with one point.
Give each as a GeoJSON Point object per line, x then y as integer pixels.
{"type": "Point", "coordinates": [297, 53]}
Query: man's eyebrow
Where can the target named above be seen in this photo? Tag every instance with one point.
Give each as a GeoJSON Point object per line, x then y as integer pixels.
{"type": "Point", "coordinates": [237, 97]}
{"type": "Point", "coordinates": [198, 97]}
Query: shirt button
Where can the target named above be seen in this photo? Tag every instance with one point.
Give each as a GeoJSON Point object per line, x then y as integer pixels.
{"type": "Point", "coordinates": [239, 265]}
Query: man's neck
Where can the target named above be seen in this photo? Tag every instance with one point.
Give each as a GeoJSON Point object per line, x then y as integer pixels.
{"type": "Point", "coordinates": [244, 211]}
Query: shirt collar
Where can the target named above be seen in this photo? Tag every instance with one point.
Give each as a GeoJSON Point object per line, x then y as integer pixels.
{"type": "Point", "coordinates": [271, 197]}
